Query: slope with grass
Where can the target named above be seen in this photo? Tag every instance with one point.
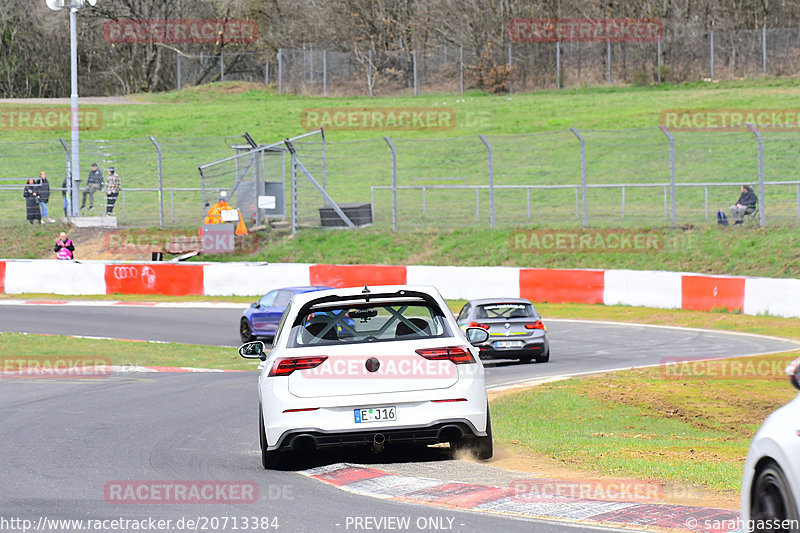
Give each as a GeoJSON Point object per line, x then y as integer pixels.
{"type": "Point", "coordinates": [744, 251]}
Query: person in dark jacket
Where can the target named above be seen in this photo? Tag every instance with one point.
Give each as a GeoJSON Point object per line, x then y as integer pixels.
{"type": "Point", "coordinates": [93, 184]}
{"type": "Point", "coordinates": [31, 195]}
{"type": "Point", "coordinates": [44, 196]}
{"type": "Point", "coordinates": [745, 205]}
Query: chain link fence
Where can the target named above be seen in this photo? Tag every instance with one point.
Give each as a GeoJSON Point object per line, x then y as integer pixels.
{"type": "Point", "coordinates": [597, 178]}
{"type": "Point", "coordinates": [682, 54]}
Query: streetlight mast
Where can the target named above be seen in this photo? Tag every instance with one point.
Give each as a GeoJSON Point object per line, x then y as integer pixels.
{"type": "Point", "coordinates": [73, 180]}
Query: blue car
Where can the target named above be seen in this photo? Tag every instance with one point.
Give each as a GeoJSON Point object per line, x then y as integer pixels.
{"type": "Point", "coordinates": [263, 316]}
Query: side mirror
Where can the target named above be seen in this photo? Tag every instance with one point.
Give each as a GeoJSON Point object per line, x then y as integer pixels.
{"type": "Point", "coordinates": [793, 370]}
{"type": "Point", "coordinates": [253, 350]}
{"type": "Point", "coordinates": [254, 305]}
{"type": "Point", "coordinates": [477, 336]}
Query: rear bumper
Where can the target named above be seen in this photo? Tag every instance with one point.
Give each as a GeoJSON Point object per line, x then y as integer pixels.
{"type": "Point", "coordinates": [532, 348]}
{"type": "Point", "coordinates": [440, 431]}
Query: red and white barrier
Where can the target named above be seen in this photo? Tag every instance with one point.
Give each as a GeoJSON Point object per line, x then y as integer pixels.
{"type": "Point", "coordinates": [669, 290]}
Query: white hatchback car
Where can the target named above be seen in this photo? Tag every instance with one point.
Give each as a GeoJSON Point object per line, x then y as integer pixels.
{"type": "Point", "coordinates": [771, 482]}
{"type": "Point", "coordinates": [379, 366]}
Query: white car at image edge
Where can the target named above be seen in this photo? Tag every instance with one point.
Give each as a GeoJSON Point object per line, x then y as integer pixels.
{"type": "Point", "coordinates": [373, 366]}
{"type": "Point", "coordinates": [771, 482]}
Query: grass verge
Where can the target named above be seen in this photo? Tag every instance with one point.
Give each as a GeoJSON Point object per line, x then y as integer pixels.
{"type": "Point", "coordinates": [692, 430]}
{"type": "Point", "coordinates": [20, 345]}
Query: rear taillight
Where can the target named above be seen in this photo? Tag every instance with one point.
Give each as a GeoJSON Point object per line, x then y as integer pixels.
{"type": "Point", "coordinates": [450, 400]}
{"type": "Point", "coordinates": [457, 354]}
{"type": "Point", "coordinates": [284, 367]}
{"type": "Point", "coordinates": [536, 325]}
{"type": "Point", "coordinates": [478, 325]}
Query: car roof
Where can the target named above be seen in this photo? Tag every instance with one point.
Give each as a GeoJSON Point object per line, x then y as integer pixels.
{"type": "Point", "coordinates": [486, 301]}
{"type": "Point", "coordinates": [308, 288]}
{"type": "Point", "coordinates": [304, 298]}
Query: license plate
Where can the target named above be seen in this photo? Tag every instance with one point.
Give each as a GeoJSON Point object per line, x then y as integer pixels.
{"type": "Point", "coordinates": [375, 414]}
{"type": "Point", "coordinates": [507, 344]}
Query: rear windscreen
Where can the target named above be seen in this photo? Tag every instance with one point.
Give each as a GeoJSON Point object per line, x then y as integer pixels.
{"type": "Point", "coordinates": [367, 323]}
{"type": "Point", "coordinates": [505, 311]}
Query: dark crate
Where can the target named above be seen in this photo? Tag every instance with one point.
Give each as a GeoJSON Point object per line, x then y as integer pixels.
{"type": "Point", "coordinates": [359, 214]}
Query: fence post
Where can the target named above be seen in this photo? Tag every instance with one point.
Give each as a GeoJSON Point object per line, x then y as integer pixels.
{"type": "Point", "coordinates": [491, 180]}
{"type": "Point", "coordinates": [69, 172]}
{"type": "Point", "coordinates": [394, 183]}
{"type": "Point", "coordinates": [160, 183]}
{"type": "Point", "coordinates": [658, 60]}
{"type": "Point", "coordinates": [711, 45]}
{"type": "Point", "coordinates": [324, 163]}
{"type": "Point", "coordinates": [623, 203]}
{"type": "Point", "coordinates": [259, 183]}
{"type": "Point", "coordinates": [558, 64]}
{"type": "Point", "coordinates": [416, 81]}
{"type": "Point", "coordinates": [608, 60]}
{"type": "Point", "coordinates": [763, 49]}
{"type": "Point", "coordinates": [280, 70]}
{"type": "Point", "coordinates": [461, 66]}
{"type": "Point", "coordinates": [762, 217]}
{"type": "Point", "coordinates": [221, 66]}
{"type": "Point", "coordinates": [294, 193]}
{"type": "Point", "coordinates": [510, 81]}
{"type": "Point", "coordinates": [583, 176]}
{"type": "Point", "coordinates": [325, 71]}
{"type": "Point", "coordinates": [179, 71]}
{"type": "Point", "coordinates": [671, 139]}
{"type": "Point", "coordinates": [369, 73]}
{"type": "Point", "coordinates": [266, 72]}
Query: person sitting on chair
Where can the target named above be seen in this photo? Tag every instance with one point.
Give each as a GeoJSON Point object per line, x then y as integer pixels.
{"type": "Point", "coordinates": [745, 205]}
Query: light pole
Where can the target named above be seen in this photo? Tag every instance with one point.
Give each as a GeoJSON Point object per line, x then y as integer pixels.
{"type": "Point", "coordinates": [74, 175]}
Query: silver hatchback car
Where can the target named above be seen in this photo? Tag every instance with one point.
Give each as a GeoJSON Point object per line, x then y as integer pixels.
{"type": "Point", "coordinates": [516, 330]}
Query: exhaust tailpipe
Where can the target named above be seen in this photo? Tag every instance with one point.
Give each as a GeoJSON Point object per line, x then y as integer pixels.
{"type": "Point", "coordinates": [377, 442]}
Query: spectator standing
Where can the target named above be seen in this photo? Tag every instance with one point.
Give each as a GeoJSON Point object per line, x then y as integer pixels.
{"type": "Point", "coordinates": [44, 196]}
{"type": "Point", "coordinates": [93, 184]}
{"type": "Point", "coordinates": [32, 211]}
{"type": "Point", "coordinates": [64, 247]}
{"type": "Point", "coordinates": [745, 205]}
{"type": "Point", "coordinates": [113, 186]}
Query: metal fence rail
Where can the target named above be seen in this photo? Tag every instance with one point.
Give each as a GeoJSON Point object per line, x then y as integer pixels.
{"type": "Point", "coordinates": [686, 53]}
{"type": "Point", "coordinates": [571, 177]}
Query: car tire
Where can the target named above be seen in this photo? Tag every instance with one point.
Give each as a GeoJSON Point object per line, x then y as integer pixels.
{"type": "Point", "coordinates": [269, 459]}
{"type": "Point", "coordinates": [245, 331]}
{"type": "Point", "coordinates": [481, 447]}
{"type": "Point", "coordinates": [545, 358]}
{"type": "Point", "coordinates": [526, 359]}
{"type": "Point", "coordinates": [771, 498]}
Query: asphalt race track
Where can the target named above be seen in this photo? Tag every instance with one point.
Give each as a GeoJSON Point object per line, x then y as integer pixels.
{"type": "Point", "coordinates": [576, 346]}
{"type": "Point", "coordinates": [64, 442]}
